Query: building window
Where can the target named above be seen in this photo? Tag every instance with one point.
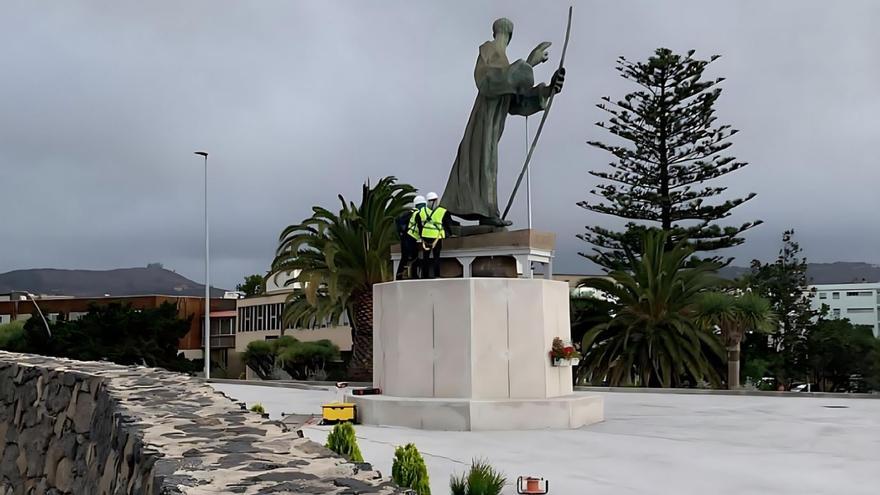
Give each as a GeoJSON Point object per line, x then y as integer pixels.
{"type": "Point", "coordinates": [261, 317]}
{"type": "Point", "coordinates": [244, 321]}
{"type": "Point", "coordinates": [221, 326]}
{"type": "Point", "coordinates": [860, 311]}
{"type": "Point", "coordinates": [835, 295]}
{"type": "Point", "coordinates": [279, 309]}
{"type": "Point", "coordinates": [861, 293]}
{"type": "Point", "coordinates": [835, 313]}
{"type": "Point", "coordinates": [823, 295]}
{"type": "Point", "coordinates": [273, 316]}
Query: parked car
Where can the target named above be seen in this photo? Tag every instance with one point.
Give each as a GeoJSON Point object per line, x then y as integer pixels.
{"type": "Point", "coordinates": [803, 387]}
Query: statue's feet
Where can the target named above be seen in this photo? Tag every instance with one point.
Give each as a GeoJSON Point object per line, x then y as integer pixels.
{"type": "Point", "coordinates": [495, 222]}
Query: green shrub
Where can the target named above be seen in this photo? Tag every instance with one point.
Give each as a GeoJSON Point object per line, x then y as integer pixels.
{"type": "Point", "coordinates": [260, 357]}
{"type": "Point", "coordinates": [342, 441]}
{"type": "Point", "coordinates": [300, 359]}
{"type": "Point", "coordinates": [409, 470]}
{"type": "Point", "coordinates": [458, 484]}
{"type": "Point", "coordinates": [258, 408]}
{"type": "Point", "coordinates": [114, 332]}
{"type": "Point", "coordinates": [12, 336]}
{"type": "Point", "coordinates": [482, 479]}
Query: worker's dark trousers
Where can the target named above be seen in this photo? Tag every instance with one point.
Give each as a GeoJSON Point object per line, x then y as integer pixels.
{"type": "Point", "coordinates": [409, 254]}
{"type": "Point", "coordinates": [431, 260]}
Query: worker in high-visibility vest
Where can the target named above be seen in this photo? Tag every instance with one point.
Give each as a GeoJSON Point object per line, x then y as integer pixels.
{"type": "Point", "coordinates": [434, 223]}
{"type": "Point", "coordinates": [410, 239]}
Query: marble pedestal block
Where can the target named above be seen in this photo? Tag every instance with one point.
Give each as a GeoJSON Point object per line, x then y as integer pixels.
{"type": "Point", "coordinates": [472, 353]}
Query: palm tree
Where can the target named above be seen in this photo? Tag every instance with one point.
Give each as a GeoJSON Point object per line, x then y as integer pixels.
{"type": "Point", "coordinates": [335, 260]}
{"type": "Point", "coordinates": [653, 338]}
{"type": "Point", "coordinates": [734, 315]}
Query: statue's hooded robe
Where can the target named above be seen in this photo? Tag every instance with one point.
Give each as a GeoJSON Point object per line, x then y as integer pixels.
{"type": "Point", "coordinates": [504, 88]}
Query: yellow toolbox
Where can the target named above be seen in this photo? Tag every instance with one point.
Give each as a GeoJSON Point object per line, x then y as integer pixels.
{"type": "Point", "coordinates": [338, 411]}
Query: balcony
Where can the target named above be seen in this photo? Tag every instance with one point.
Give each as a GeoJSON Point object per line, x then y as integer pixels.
{"type": "Point", "coordinates": [222, 341]}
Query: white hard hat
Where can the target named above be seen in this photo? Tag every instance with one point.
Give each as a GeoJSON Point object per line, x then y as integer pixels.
{"type": "Point", "coordinates": [432, 195]}
{"type": "Point", "coordinates": [420, 200]}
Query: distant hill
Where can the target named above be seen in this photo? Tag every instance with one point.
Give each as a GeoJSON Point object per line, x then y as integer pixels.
{"type": "Point", "coordinates": [87, 283]}
{"type": "Point", "coordinates": [840, 272]}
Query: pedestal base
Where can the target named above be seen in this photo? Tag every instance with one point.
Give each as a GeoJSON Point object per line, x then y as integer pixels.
{"type": "Point", "coordinates": [472, 354]}
{"type": "Point", "coordinates": [566, 412]}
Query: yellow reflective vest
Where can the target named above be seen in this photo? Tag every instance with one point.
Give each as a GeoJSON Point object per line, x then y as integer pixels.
{"type": "Point", "coordinates": [432, 223]}
{"type": "Point", "coordinates": [412, 229]}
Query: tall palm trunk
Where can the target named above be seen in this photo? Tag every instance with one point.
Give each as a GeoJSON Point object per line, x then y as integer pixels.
{"type": "Point", "coordinates": [733, 366]}
{"type": "Point", "coordinates": [360, 368]}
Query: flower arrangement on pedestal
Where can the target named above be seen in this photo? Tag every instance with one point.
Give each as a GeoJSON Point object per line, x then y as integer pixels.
{"type": "Point", "coordinates": [563, 353]}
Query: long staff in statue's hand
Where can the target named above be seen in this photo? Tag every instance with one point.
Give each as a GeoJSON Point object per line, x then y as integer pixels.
{"type": "Point", "coordinates": [543, 119]}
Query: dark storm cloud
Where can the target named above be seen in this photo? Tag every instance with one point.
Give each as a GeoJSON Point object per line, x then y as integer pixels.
{"type": "Point", "coordinates": [103, 103]}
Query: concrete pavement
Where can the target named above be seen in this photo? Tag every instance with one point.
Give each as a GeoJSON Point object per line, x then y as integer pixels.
{"type": "Point", "coordinates": [649, 444]}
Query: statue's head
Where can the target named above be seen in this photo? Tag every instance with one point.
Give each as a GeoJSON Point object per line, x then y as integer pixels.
{"type": "Point", "coordinates": [503, 26]}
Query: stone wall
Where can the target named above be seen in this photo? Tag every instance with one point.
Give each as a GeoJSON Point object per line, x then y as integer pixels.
{"type": "Point", "coordinates": [71, 427]}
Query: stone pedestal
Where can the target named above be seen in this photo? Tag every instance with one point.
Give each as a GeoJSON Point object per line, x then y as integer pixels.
{"type": "Point", "coordinates": [472, 353]}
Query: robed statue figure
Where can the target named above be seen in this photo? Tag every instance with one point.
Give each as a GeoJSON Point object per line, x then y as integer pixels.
{"type": "Point", "coordinates": [503, 88]}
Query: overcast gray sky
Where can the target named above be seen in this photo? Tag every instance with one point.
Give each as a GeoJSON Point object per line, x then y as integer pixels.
{"type": "Point", "coordinates": [103, 103]}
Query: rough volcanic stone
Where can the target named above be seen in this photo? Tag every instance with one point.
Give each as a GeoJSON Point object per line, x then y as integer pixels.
{"type": "Point", "coordinates": [103, 428]}
{"type": "Point", "coordinates": [57, 397]}
{"type": "Point", "coordinates": [85, 408]}
{"type": "Point", "coordinates": [64, 475]}
{"type": "Point", "coordinates": [279, 476]}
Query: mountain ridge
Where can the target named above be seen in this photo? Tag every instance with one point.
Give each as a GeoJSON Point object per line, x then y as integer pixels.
{"type": "Point", "coordinates": [152, 280]}
{"type": "Point", "coordinates": [838, 272]}
{"type": "Point", "coordinates": [156, 280]}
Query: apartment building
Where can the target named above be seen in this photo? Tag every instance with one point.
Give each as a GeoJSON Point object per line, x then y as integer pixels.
{"type": "Point", "coordinates": [260, 318]}
{"type": "Point", "coordinates": [860, 303]}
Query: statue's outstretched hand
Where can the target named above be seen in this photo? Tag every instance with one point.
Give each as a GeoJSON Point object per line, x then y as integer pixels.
{"type": "Point", "coordinates": [557, 80]}
{"type": "Point", "coordinates": [540, 54]}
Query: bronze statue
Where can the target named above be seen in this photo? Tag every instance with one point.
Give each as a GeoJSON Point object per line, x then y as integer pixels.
{"type": "Point", "coordinates": [503, 88]}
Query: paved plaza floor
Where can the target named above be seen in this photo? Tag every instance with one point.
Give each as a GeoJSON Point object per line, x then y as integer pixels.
{"type": "Point", "coordinates": [649, 444]}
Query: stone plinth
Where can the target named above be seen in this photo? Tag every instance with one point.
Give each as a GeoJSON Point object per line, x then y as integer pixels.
{"type": "Point", "coordinates": [472, 353]}
{"type": "Point", "coordinates": [479, 338]}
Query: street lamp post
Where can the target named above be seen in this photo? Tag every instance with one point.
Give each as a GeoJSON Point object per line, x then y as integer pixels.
{"type": "Point", "coordinates": [33, 299]}
{"type": "Point", "coordinates": [204, 154]}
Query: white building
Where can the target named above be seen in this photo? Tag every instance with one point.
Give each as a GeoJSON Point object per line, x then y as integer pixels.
{"type": "Point", "coordinates": [860, 303]}
{"type": "Point", "coordinates": [260, 318]}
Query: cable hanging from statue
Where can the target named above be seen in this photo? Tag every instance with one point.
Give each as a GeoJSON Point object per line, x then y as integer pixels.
{"type": "Point", "coordinates": [525, 167]}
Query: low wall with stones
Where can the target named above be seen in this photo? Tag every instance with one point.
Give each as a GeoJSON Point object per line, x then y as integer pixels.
{"type": "Point", "coordinates": [71, 427]}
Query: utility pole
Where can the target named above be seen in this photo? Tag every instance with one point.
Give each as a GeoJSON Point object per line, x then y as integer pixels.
{"type": "Point", "coordinates": [207, 277]}
{"type": "Point", "coordinates": [528, 181]}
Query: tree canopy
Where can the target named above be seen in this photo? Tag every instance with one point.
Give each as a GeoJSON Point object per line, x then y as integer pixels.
{"type": "Point", "coordinates": [654, 338]}
{"type": "Point", "coordinates": [253, 285]}
{"type": "Point", "coordinates": [784, 283]}
{"type": "Point", "coordinates": [668, 147]}
{"type": "Point", "coordinates": [337, 258]}
{"type": "Point", "coordinates": [114, 332]}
